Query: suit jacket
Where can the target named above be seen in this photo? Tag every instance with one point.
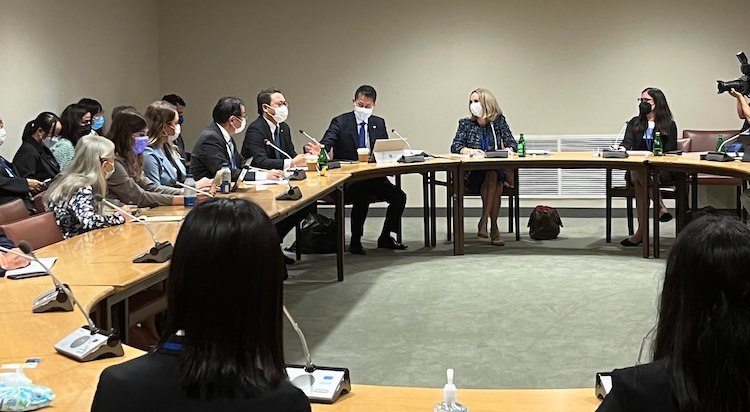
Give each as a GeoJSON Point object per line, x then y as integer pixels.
{"type": "Point", "coordinates": [151, 383]}
{"type": "Point", "coordinates": [264, 156]}
{"type": "Point", "coordinates": [634, 141]}
{"type": "Point", "coordinates": [34, 160]}
{"type": "Point", "coordinates": [470, 134]}
{"type": "Point", "coordinates": [12, 188]}
{"type": "Point", "coordinates": [343, 135]}
{"type": "Point", "coordinates": [138, 190]}
{"type": "Point", "coordinates": [210, 151]}
{"type": "Point", "coordinates": [642, 388]}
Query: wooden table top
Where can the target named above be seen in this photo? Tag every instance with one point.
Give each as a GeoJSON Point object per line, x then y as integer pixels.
{"type": "Point", "coordinates": [17, 295]}
{"type": "Point", "coordinates": [364, 398]}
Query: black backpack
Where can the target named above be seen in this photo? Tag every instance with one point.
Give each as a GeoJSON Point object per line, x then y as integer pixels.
{"type": "Point", "coordinates": [317, 235]}
{"type": "Point", "coordinates": [544, 223]}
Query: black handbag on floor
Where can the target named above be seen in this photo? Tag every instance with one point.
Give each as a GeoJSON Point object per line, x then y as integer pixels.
{"type": "Point", "coordinates": [317, 235]}
{"type": "Point", "coordinates": [544, 223]}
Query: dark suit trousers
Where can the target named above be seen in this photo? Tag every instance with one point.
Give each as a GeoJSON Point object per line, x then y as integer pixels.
{"type": "Point", "coordinates": [361, 194]}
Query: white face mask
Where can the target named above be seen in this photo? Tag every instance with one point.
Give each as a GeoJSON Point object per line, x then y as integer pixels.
{"type": "Point", "coordinates": [172, 137]}
{"type": "Point", "coordinates": [476, 109]}
{"type": "Point", "coordinates": [281, 113]}
{"type": "Point", "coordinates": [50, 141]}
{"type": "Point", "coordinates": [3, 134]}
{"type": "Point", "coordinates": [362, 113]}
{"type": "Point", "coordinates": [243, 123]}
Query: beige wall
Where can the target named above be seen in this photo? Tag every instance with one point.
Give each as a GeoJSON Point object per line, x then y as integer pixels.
{"type": "Point", "coordinates": [556, 67]}
{"type": "Point", "coordinates": [52, 53]}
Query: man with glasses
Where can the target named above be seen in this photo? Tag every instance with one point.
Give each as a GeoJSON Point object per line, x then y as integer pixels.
{"type": "Point", "coordinates": [215, 145]}
{"type": "Point", "coordinates": [271, 126]}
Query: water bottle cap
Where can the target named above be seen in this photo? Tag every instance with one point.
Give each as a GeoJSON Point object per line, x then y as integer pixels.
{"type": "Point", "coordinates": [449, 390]}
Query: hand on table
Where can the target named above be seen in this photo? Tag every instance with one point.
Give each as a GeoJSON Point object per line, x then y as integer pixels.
{"type": "Point", "coordinates": [9, 261]}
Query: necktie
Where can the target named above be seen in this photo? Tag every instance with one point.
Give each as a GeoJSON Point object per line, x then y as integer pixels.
{"type": "Point", "coordinates": [277, 142]}
{"type": "Point", "coordinates": [231, 150]}
{"type": "Point", "coordinates": [362, 142]}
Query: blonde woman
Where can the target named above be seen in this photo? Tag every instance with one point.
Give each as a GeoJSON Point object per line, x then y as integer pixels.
{"type": "Point", "coordinates": [485, 129]}
{"type": "Point", "coordinates": [71, 196]}
{"type": "Point", "coordinates": [161, 159]}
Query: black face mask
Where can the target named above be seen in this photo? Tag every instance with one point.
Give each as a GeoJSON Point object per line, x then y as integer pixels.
{"type": "Point", "coordinates": [84, 130]}
{"type": "Point", "coordinates": [644, 108]}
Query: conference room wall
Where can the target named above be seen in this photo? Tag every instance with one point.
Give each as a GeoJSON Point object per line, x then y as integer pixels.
{"type": "Point", "coordinates": [55, 52]}
{"type": "Point", "coordinates": [555, 67]}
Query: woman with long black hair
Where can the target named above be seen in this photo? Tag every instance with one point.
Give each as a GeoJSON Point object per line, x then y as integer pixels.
{"type": "Point", "coordinates": [34, 158]}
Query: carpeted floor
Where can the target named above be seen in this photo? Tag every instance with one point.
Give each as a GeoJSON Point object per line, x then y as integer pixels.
{"type": "Point", "coordinates": [531, 314]}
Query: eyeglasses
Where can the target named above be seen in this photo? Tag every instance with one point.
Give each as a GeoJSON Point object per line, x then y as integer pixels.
{"type": "Point", "coordinates": [242, 116]}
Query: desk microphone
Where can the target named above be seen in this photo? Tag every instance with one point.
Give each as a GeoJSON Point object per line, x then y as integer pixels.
{"type": "Point", "coordinates": [309, 137]}
{"type": "Point", "coordinates": [745, 132]}
{"type": "Point", "coordinates": [402, 138]}
{"type": "Point", "coordinates": [294, 192]}
{"type": "Point", "coordinates": [55, 300]}
{"type": "Point", "coordinates": [615, 145]}
{"type": "Point", "coordinates": [203, 192]}
{"type": "Point", "coordinates": [319, 383]}
{"type": "Point", "coordinates": [411, 157]}
{"type": "Point", "coordinates": [159, 253]}
{"type": "Point", "coordinates": [297, 174]}
{"type": "Point", "coordinates": [613, 152]}
{"type": "Point", "coordinates": [88, 342]}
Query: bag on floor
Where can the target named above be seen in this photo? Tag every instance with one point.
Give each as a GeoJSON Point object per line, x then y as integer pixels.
{"type": "Point", "coordinates": [317, 235]}
{"type": "Point", "coordinates": [544, 223]}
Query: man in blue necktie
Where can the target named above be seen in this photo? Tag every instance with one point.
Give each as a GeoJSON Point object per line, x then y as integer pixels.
{"type": "Point", "coordinates": [347, 133]}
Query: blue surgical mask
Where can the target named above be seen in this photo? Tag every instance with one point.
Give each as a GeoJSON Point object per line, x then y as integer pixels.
{"type": "Point", "coordinates": [97, 123]}
{"type": "Point", "coordinates": [141, 143]}
{"type": "Point", "coordinates": [180, 119]}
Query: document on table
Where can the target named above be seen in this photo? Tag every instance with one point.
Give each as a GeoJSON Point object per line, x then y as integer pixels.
{"type": "Point", "coordinates": [32, 269]}
{"type": "Point", "coordinates": [165, 218]}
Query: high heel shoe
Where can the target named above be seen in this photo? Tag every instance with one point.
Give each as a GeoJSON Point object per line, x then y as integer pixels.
{"type": "Point", "coordinates": [496, 240]}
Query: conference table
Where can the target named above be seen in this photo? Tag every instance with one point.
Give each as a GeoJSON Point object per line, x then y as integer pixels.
{"type": "Point", "coordinates": [97, 266]}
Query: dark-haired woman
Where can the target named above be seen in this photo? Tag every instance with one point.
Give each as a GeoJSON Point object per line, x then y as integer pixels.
{"type": "Point", "coordinates": [34, 159]}
{"type": "Point", "coordinates": [12, 185]}
{"type": "Point", "coordinates": [97, 114]}
{"type": "Point", "coordinates": [76, 123]}
{"type": "Point", "coordinates": [653, 116]}
{"type": "Point", "coordinates": [225, 354]}
{"type": "Point", "coordinates": [128, 184]}
{"type": "Point", "coordinates": [701, 361]}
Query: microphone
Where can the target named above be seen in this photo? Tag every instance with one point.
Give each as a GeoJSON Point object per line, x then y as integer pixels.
{"type": "Point", "coordinates": [402, 138]}
{"type": "Point", "coordinates": [55, 300]}
{"type": "Point", "coordinates": [297, 174]}
{"type": "Point", "coordinates": [159, 253]}
{"type": "Point", "coordinates": [319, 383]}
{"type": "Point", "coordinates": [410, 156]}
{"type": "Point", "coordinates": [88, 342]}
{"type": "Point", "coordinates": [745, 132]}
{"type": "Point", "coordinates": [203, 192]}
{"type": "Point", "coordinates": [617, 136]}
{"type": "Point", "coordinates": [309, 137]}
{"type": "Point", "coordinates": [613, 152]}
{"type": "Point", "coordinates": [294, 192]}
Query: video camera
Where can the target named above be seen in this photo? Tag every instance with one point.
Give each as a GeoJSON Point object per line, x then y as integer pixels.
{"type": "Point", "coordinates": [741, 85]}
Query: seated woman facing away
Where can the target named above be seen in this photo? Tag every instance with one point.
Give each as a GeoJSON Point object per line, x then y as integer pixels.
{"type": "Point", "coordinates": [701, 356]}
{"type": "Point", "coordinates": [223, 346]}
{"type": "Point", "coordinates": [484, 130]}
{"type": "Point", "coordinates": [71, 196]}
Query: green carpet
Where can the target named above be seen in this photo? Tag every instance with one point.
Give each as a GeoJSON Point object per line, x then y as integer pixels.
{"type": "Point", "coordinates": [532, 314]}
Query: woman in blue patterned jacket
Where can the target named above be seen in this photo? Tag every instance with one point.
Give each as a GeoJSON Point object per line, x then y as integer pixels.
{"type": "Point", "coordinates": [485, 130]}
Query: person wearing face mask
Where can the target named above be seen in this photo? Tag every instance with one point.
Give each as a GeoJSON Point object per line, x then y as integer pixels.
{"type": "Point", "coordinates": [12, 185]}
{"type": "Point", "coordinates": [271, 126]}
{"type": "Point", "coordinates": [34, 159]}
{"type": "Point", "coordinates": [216, 146]}
{"type": "Point", "coordinates": [97, 114]}
{"type": "Point", "coordinates": [347, 133]}
{"type": "Point", "coordinates": [179, 104]}
{"type": "Point", "coordinates": [485, 129]}
{"type": "Point", "coordinates": [129, 133]}
{"type": "Point", "coordinates": [71, 196]}
{"type": "Point", "coordinates": [76, 123]}
{"type": "Point", "coordinates": [653, 116]}
{"type": "Point", "coordinates": [161, 160]}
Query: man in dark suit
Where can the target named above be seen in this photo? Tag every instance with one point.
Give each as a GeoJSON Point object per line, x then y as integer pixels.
{"type": "Point", "coordinates": [347, 133]}
{"type": "Point", "coordinates": [216, 146]}
{"type": "Point", "coordinates": [270, 126]}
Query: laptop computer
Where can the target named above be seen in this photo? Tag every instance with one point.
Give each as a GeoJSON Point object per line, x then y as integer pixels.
{"type": "Point", "coordinates": [388, 150]}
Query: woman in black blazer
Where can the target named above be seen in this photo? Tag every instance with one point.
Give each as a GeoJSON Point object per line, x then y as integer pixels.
{"type": "Point", "coordinates": [223, 346]}
{"type": "Point", "coordinates": [12, 185]}
{"type": "Point", "coordinates": [654, 116]}
{"type": "Point", "coordinates": [701, 361]}
{"type": "Point", "coordinates": [34, 158]}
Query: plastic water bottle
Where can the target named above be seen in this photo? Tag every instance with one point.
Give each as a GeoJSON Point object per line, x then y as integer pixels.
{"type": "Point", "coordinates": [521, 146]}
{"type": "Point", "coordinates": [658, 147]}
{"type": "Point", "coordinates": [226, 178]}
{"type": "Point", "coordinates": [322, 161]}
{"type": "Point", "coordinates": [719, 142]}
{"type": "Point", "coordinates": [449, 403]}
{"type": "Point", "coordinates": [189, 194]}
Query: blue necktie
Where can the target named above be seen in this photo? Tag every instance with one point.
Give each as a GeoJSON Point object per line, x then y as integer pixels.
{"type": "Point", "coordinates": [362, 142]}
{"type": "Point", "coordinates": [234, 158]}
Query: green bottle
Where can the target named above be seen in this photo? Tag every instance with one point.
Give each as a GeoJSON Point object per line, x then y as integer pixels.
{"type": "Point", "coordinates": [521, 146]}
{"type": "Point", "coordinates": [322, 161]}
{"type": "Point", "coordinates": [719, 142]}
{"type": "Point", "coordinates": [658, 148]}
